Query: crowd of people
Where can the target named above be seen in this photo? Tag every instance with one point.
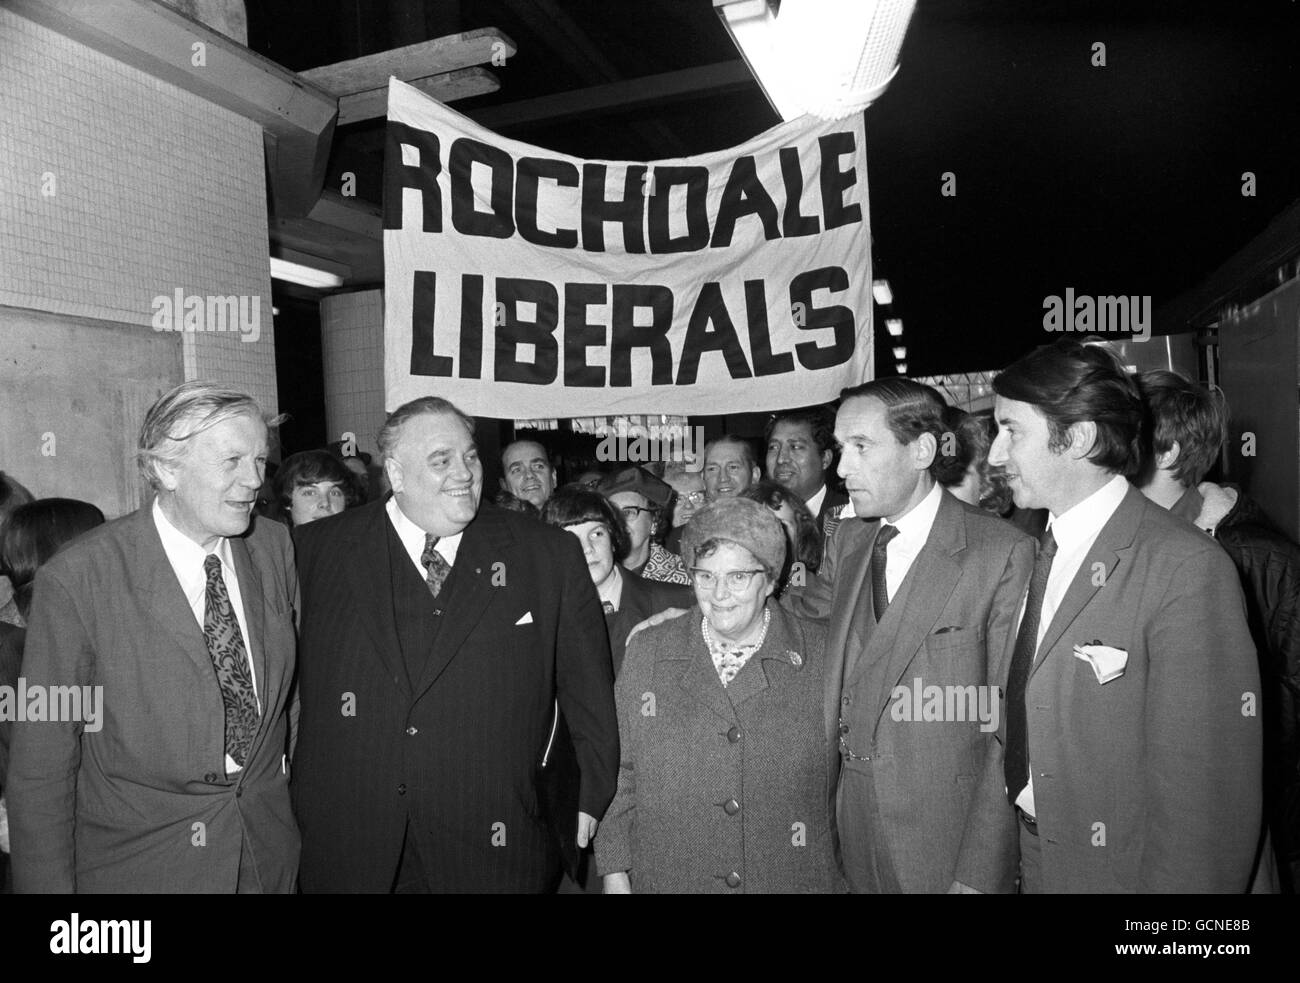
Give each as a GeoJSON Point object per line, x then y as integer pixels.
{"type": "Point", "coordinates": [898, 648]}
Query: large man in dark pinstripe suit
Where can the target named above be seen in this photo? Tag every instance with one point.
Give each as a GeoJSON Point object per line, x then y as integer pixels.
{"type": "Point", "coordinates": [435, 639]}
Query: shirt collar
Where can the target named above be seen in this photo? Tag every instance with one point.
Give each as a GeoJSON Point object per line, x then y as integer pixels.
{"type": "Point", "coordinates": [915, 525]}
{"type": "Point", "coordinates": [1083, 521]}
{"type": "Point", "coordinates": [412, 536]}
{"type": "Point", "coordinates": [612, 589]}
{"type": "Point", "coordinates": [183, 552]}
{"type": "Point", "coordinates": [815, 502]}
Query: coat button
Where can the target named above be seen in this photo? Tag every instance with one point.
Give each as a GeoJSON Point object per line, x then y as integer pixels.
{"type": "Point", "coordinates": [239, 791]}
{"type": "Point", "coordinates": [733, 879]}
{"type": "Point", "coordinates": [210, 777]}
{"type": "Point", "coordinates": [731, 807]}
{"type": "Point", "coordinates": [401, 789]}
{"type": "Point", "coordinates": [412, 731]}
{"type": "Point", "coordinates": [733, 735]}
{"type": "Point", "coordinates": [844, 729]}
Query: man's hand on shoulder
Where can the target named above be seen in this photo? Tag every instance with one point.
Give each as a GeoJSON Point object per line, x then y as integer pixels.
{"type": "Point", "coordinates": [657, 619]}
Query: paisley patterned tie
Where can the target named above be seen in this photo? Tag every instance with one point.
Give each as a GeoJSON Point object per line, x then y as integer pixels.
{"type": "Point", "coordinates": [436, 566]}
{"type": "Point", "coordinates": [230, 660]}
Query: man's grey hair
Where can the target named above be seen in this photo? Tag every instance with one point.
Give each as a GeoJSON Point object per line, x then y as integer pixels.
{"type": "Point", "coordinates": [181, 414]}
{"type": "Point", "coordinates": [391, 431]}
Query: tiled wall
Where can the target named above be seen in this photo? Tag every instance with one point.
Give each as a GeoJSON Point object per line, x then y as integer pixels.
{"type": "Point", "coordinates": [154, 189]}
{"type": "Point", "coordinates": [116, 189]}
{"type": "Point", "coordinates": [352, 335]}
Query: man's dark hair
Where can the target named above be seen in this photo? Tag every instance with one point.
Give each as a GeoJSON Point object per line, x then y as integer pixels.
{"type": "Point", "coordinates": [307, 468]}
{"type": "Point", "coordinates": [911, 409]}
{"type": "Point", "coordinates": [1072, 382]}
{"type": "Point", "coordinates": [574, 504]}
{"type": "Point", "coordinates": [730, 438]}
{"type": "Point", "coordinates": [1187, 412]}
{"type": "Point", "coordinates": [820, 421]}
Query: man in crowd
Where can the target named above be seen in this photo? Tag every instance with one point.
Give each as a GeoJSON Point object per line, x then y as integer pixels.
{"type": "Point", "coordinates": [926, 597]}
{"type": "Point", "coordinates": [527, 472]}
{"type": "Point", "coordinates": [800, 449]}
{"type": "Point", "coordinates": [436, 637]}
{"type": "Point", "coordinates": [175, 624]}
{"type": "Point", "coordinates": [729, 467]}
{"type": "Point", "coordinates": [1130, 745]}
{"type": "Point", "coordinates": [689, 498]}
{"type": "Point", "coordinates": [1190, 426]}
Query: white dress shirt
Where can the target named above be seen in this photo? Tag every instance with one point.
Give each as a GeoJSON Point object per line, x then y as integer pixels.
{"type": "Point", "coordinates": [815, 503]}
{"type": "Point", "coordinates": [412, 537]}
{"type": "Point", "coordinates": [913, 531]}
{"type": "Point", "coordinates": [187, 558]}
{"type": "Point", "coordinates": [612, 589]}
{"type": "Point", "coordinates": [1074, 531]}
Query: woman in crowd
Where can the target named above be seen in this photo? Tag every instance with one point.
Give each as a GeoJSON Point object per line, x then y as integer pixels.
{"type": "Point", "coordinates": [646, 504]}
{"type": "Point", "coordinates": [803, 541]}
{"type": "Point", "coordinates": [724, 782]}
{"type": "Point", "coordinates": [312, 485]}
{"type": "Point", "coordinates": [32, 534]}
{"type": "Point", "coordinates": [625, 597]}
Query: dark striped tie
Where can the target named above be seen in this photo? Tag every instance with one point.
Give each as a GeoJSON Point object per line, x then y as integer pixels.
{"type": "Point", "coordinates": [879, 558]}
{"type": "Point", "coordinates": [230, 660]}
{"type": "Point", "coordinates": [1016, 764]}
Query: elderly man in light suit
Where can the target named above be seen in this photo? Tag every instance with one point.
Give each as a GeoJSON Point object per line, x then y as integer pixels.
{"type": "Point", "coordinates": [1131, 742]}
{"type": "Point", "coordinates": [184, 617]}
{"type": "Point", "coordinates": [920, 602]}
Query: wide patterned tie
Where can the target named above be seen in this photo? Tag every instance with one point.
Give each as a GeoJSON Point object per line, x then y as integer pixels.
{"type": "Point", "coordinates": [230, 660]}
{"type": "Point", "coordinates": [1016, 764]}
{"type": "Point", "coordinates": [879, 558]}
{"type": "Point", "coordinates": [437, 569]}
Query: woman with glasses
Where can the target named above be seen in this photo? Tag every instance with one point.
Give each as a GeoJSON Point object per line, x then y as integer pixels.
{"type": "Point", "coordinates": [644, 501]}
{"type": "Point", "coordinates": [725, 775]}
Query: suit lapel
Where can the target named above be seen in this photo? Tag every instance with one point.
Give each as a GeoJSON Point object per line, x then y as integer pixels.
{"type": "Point", "coordinates": [699, 679]}
{"type": "Point", "coordinates": [167, 601]}
{"type": "Point", "coordinates": [855, 566]}
{"type": "Point", "coordinates": [370, 578]}
{"type": "Point", "coordinates": [756, 675]}
{"type": "Point", "coordinates": [1113, 542]}
{"type": "Point", "coordinates": [925, 591]}
{"type": "Point", "coordinates": [487, 541]}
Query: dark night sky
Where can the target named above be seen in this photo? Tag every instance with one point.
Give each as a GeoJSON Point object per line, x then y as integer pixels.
{"type": "Point", "coordinates": [1117, 180]}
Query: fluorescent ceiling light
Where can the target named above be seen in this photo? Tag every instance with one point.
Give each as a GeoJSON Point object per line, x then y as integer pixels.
{"type": "Point", "coordinates": [880, 290]}
{"type": "Point", "coordinates": [894, 326]}
{"type": "Point", "coordinates": [900, 353]}
{"type": "Point", "coordinates": [901, 367]}
{"type": "Point", "coordinates": [830, 58]}
{"type": "Point", "coordinates": [307, 276]}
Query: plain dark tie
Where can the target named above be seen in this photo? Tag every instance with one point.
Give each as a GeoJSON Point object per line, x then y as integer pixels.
{"type": "Point", "coordinates": [1016, 764]}
{"type": "Point", "coordinates": [230, 659]}
{"type": "Point", "coordinates": [879, 559]}
{"type": "Point", "coordinates": [437, 569]}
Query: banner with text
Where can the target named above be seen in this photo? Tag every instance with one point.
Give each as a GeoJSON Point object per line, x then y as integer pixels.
{"type": "Point", "coordinates": [524, 283]}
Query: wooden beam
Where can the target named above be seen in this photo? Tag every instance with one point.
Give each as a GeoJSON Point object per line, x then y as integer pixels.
{"type": "Point", "coordinates": [415, 61]}
{"type": "Point", "coordinates": [618, 97]}
{"type": "Point", "coordinates": [448, 87]}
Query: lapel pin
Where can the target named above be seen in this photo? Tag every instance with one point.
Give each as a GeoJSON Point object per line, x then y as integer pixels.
{"type": "Point", "coordinates": [796, 659]}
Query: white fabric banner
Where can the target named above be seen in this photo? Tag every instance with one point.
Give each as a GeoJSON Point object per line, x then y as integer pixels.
{"type": "Point", "coordinates": [524, 283]}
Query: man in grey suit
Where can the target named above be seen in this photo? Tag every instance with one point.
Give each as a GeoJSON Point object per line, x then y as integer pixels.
{"type": "Point", "coordinates": [181, 619]}
{"type": "Point", "coordinates": [1131, 739]}
{"type": "Point", "coordinates": [921, 604]}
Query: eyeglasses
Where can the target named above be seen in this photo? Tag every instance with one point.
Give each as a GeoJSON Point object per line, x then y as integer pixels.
{"type": "Point", "coordinates": [630, 512]}
{"type": "Point", "coordinates": [736, 580]}
{"type": "Point", "coordinates": [694, 498]}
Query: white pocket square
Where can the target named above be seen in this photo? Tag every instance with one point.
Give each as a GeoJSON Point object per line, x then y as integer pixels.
{"type": "Point", "coordinates": [527, 619]}
{"type": "Point", "coordinates": [1107, 663]}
